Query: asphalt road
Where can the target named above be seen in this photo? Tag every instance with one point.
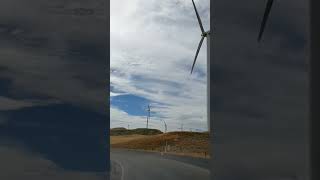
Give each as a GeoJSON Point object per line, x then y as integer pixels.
{"type": "Point", "coordinates": [134, 165]}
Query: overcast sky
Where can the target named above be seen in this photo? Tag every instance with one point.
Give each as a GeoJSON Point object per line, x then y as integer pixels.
{"type": "Point", "coordinates": [153, 44]}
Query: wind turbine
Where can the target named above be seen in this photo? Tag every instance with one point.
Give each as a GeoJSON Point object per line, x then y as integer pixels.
{"type": "Point", "coordinates": [204, 34]}
{"type": "Point", "coordinates": [265, 18]}
{"type": "Point", "coordinates": [165, 131]}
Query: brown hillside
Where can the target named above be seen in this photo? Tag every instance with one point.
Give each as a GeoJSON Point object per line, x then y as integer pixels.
{"type": "Point", "coordinates": [177, 142]}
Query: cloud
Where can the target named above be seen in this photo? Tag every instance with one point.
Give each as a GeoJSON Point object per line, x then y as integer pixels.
{"type": "Point", "coordinates": [151, 57]}
{"type": "Point", "coordinates": [112, 94]}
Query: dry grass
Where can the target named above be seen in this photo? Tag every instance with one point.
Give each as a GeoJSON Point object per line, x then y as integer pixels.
{"type": "Point", "coordinates": [125, 138]}
{"type": "Point", "coordinates": [179, 143]}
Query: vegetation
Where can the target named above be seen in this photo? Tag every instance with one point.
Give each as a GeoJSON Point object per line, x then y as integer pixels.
{"type": "Point", "coordinates": [140, 131]}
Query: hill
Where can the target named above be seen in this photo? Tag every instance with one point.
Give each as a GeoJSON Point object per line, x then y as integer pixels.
{"type": "Point", "coordinates": [183, 143]}
{"type": "Point", "coordinates": [139, 131]}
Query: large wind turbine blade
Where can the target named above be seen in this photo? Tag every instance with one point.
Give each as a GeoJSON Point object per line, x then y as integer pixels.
{"type": "Point", "coordinates": [265, 18]}
{"type": "Point", "coordinates": [195, 58]}
{"type": "Point", "coordinates": [198, 17]}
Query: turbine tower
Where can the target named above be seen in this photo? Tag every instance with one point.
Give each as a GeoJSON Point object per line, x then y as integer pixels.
{"type": "Point", "coordinates": [148, 116]}
{"type": "Point", "coordinates": [165, 126]}
{"type": "Point", "coordinates": [265, 18]}
{"type": "Point", "coordinates": [204, 34]}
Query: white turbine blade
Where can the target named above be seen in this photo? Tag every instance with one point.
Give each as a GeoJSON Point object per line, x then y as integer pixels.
{"type": "Point", "coordinates": [198, 17]}
{"type": "Point", "coordinates": [265, 18]}
{"type": "Point", "coordinates": [195, 58]}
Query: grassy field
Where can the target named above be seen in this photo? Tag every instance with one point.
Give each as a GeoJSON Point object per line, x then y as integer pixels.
{"type": "Point", "coordinates": [180, 143]}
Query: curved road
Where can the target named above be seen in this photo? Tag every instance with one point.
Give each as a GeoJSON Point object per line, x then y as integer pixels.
{"type": "Point", "coordinates": [134, 165]}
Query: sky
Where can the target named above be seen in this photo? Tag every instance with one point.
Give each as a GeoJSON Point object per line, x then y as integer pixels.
{"type": "Point", "coordinates": [53, 75]}
{"type": "Point", "coordinates": [153, 44]}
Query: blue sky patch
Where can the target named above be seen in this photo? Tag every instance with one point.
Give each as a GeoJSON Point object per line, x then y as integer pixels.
{"type": "Point", "coordinates": [131, 104]}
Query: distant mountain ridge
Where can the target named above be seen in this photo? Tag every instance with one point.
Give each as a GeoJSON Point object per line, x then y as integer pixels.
{"type": "Point", "coordinates": [120, 131]}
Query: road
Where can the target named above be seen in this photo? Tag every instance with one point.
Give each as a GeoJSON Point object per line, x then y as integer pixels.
{"type": "Point", "coordinates": [134, 165]}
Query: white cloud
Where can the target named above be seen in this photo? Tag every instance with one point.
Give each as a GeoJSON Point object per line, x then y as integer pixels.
{"type": "Point", "coordinates": [156, 41]}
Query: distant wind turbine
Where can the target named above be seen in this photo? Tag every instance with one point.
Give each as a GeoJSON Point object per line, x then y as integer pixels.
{"type": "Point", "coordinates": [204, 34]}
{"type": "Point", "coordinates": [181, 128]}
{"type": "Point", "coordinates": [265, 18]}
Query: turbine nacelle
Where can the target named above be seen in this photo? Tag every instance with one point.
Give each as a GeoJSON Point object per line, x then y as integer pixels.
{"type": "Point", "coordinates": [205, 34]}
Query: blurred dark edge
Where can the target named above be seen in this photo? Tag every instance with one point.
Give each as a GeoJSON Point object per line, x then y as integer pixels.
{"type": "Point", "coordinates": [108, 84]}
{"type": "Point", "coordinates": [107, 105]}
{"type": "Point", "coordinates": [314, 87]}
